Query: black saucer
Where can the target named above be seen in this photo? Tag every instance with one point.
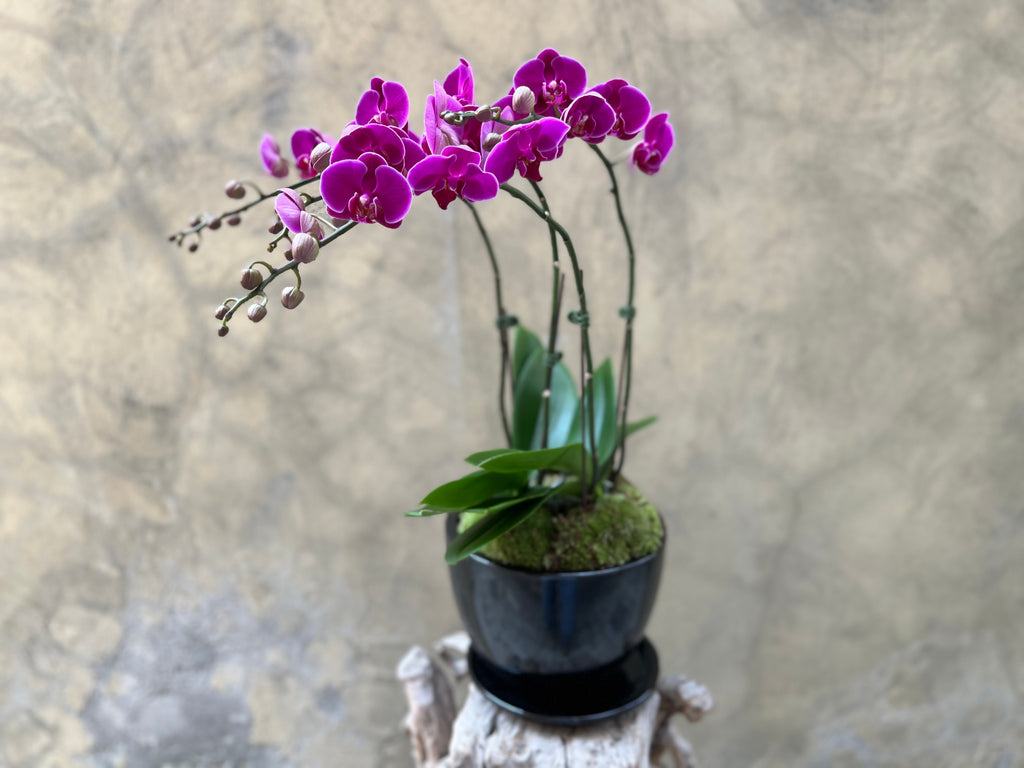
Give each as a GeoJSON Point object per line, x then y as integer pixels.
{"type": "Point", "coordinates": [574, 698]}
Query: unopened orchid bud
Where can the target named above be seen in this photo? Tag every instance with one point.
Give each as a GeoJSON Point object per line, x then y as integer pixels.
{"type": "Point", "coordinates": [256, 312]}
{"type": "Point", "coordinates": [213, 224]}
{"type": "Point", "coordinates": [251, 279]}
{"type": "Point", "coordinates": [320, 157]}
{"type": "Point", "coordinates": [276, 227]}
{"type": "Point", "coordinates": [524, 100]}
{"type": "Point", "coordinates": [221, 311]}
{"type": "Point", "coordinates": [234, 220]}
{"type": "Point", "coordinates": [291, 297]}
{"type": "Point", "coordinates": [222, 331]}
{"type": "Point", "coordinates": [305, 248]}
{"type": "Point", "coordinates": [490, 141]}
{"type": "Point", "coordinates": [234, 190]}
{"type": "Point", "coordinates": [193, 247]}
{"type": "Point", "coordinates": [483, 112]}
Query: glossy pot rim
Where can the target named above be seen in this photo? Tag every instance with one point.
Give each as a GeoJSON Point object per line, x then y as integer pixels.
{"type": "Point", "coordinates": [480, 561]}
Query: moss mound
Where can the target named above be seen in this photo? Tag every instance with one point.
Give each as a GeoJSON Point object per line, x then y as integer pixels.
{"type": "Point", "coordinates": [622, 526]}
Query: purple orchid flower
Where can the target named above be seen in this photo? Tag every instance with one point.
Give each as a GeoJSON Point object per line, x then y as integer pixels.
{"type": "Point", "coordinates": [366, 189]}
{"type": "Point", "coordinates": [385, 103]}
{"type": "Point", "coordinates": [554, 79]}
{"type": "Point", "coordinates": [303, 142]}
{"type": "Point", "coordinates": [455, 172]}
{"type": "Point", "coordinates": [270, 152]}
{"type": "Point", "coordinates": [292, 210]}
{"type": "Point", "coordinates": [631, 107]}
{"type": "Point", "coordinates": [437, 134]}
{"type": "Point", "coordinates": [589, 117]}
{"type": "Point", "coordinates": [650, 153]}
{"type": "Point", "coordinates": [459, 83]}
{"type": "Point", "coordinates": [381, 139]}
{"type": "Point", "coordinates": [524, 147]}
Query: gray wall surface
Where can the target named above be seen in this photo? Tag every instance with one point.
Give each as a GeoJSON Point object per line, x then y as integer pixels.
{"type": "Point", "coordinates": [203, 559]}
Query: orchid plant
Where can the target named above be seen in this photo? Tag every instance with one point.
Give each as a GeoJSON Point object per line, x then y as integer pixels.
{"type": "Point", "coordinates": [562, 439]}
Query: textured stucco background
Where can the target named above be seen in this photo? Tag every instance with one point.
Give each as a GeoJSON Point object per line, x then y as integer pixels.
{"type": "Point", "coordinates": [202, 554]}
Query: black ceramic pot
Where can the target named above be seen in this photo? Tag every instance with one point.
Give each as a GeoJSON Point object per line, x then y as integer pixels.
{"type": "Point", "coordinates": [565, 648]}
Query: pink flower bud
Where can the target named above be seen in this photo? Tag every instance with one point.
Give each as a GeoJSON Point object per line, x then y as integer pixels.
{"type": "Point", "coordinates": [276, 227]}
{"type": "Point", "coordinates": [490, 141]}
{"type": "Point", "coordinates": [234, 190]}
{"type": "Point", "coordinates": [221, 311]}
{"type": "Point", "coordinates": [251, 278]}
{"type": "Point", "coordinates": [234, 220]}
{"type": "Point", "coordinates": [291, 297]}
{"type": "Point", "coordinates": [213, 224]}
{"type": "Point", "coordinates": [320, 157]}
{"type": "Point", "coordinates": [256, 312]}
{"type": "Point", "coordinates": [305, 248]}
{"type": "Point", "coordinates": [222, 331]}
{"type": "Point", "coordinates": [524, 100]}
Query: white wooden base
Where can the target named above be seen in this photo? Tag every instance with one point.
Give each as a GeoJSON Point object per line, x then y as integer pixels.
{"type": "Point", "coordinates": [483, 736]}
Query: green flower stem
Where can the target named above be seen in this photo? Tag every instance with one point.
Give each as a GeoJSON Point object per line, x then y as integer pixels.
{"type": "Point", "coordinates": [276, 272]}
{"type": "Point", "coordinates": [503, 326]}
{"type": "Point", "coordinates": [195, 229]}
{"type": "Point", "coordinates": [557, 281]}
{"type": "Point", "coordinates": [628, 313]}
{"type": "Point", "coordinates": [583, 322]}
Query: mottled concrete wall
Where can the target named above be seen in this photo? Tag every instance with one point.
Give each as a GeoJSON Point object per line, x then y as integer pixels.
{"type": "Point", "coordinates": [202, 557]}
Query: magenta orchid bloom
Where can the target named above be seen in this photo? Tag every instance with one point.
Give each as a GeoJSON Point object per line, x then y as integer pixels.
{"type": "Point", "coordinates": [292, 210]}
{"type": "Point", "coordinates": [589, 117]}
{"type": "Point", "coordinates": [396, 146]}
{"type": "Point", "coordinates": [456, 172]}
{"type": "Point", "coordinates": [524, 147]}
{"type": "Point", "coordinates": [366, 189]}
{"type": "Point", "coordinates": [631, 107]}
{"type": "Point", "coordinates": [554, 79]}
{"type": "Point", "coordinates": [650, 153]}
{"type": "Point", "coordinates": [386, 103]}
{"type": "Point", "coordinates": [459, 83]}
{"type": "Point", "coordinates": [437, 134]}
{"type": "Point", "coordinates": [270, 152]}
{"type": "Point", "coordinates": [303, 141]}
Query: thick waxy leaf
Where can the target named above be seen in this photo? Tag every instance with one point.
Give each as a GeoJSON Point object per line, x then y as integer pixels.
{"type": "Point", "coordinates": [527, 403]}
{"type": "Point", "coordinates": [493, 525]}
{"type": "Point", "coordinates": [524, 345]}
{"type": "Point", "coordinates": [604, 412]}
{"type": "Point", "coordinates": [564, 459]}
{"type": "Point", "coordinates": [480, 457]}
{"type": "Point", "coordinates": [472, 489]}
{"type": "Point", "coordinates": [636, 426]}
{"type": "Point", "coordinates": [428, 510]}
{"type": "Point", "coordinates": [564, 406]}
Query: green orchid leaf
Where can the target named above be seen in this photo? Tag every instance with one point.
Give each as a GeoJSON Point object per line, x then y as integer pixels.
{"type": "Point", "coordinates": [527, 403]}
{"type": "Point", "coordinates": [497, 522]}
{"type": "Point", "coordinates": [565, 458]}
{"type": "Point", "coordinates": [604, 410]}
{"type": "Point", "coordinates": [472, 489]}
{"type": "Point", "coordinates": [603, 387]}
{"type": "Point", "coordinates": [636, 426]}
{"type": "Point", "coordinates": [524, 345]}
{"type": "Point", "coordinates": [480, 457]}
{"type": "Point", "coordinates": [565, 403]}
{"type": "Point", "coordinates": [428, 510]}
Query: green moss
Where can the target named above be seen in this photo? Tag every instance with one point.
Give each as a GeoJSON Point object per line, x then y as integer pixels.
{"type": "Point", "coordinates": [622, 526]}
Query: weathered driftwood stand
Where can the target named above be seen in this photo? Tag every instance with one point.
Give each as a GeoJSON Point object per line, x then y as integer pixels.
{"type": "Point", "coordinates": [484, 736]}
